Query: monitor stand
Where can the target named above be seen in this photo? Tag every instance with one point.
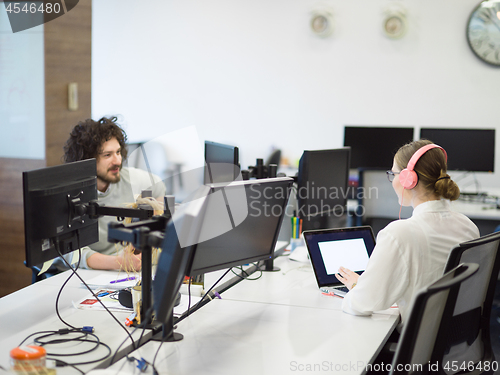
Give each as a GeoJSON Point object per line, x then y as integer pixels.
{"type": "Point", "coordinates": [269, 266]}
{"type": "Point", "coordinates": [166, 333]}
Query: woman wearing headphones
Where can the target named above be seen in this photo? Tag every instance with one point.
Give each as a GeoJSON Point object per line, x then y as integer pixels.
{"type": "Point", "coordinates": [411, 253]}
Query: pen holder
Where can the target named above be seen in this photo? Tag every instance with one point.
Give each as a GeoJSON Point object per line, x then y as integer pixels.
{"type": "Point", "coordinates": [296, 242]}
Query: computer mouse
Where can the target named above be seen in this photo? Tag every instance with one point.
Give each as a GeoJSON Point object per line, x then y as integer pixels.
{"type": "Point", "coordinates": [125, 297]}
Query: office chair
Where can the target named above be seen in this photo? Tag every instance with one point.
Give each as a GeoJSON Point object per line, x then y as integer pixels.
{"type": "Point", "coordinates": [420, 344]}
{"type": "Point", "coordinates": [468, 337]}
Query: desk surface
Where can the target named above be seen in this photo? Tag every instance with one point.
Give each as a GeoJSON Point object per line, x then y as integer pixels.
{"type": "Point", "coordinates": [235, 337]}
{"type": "Point", "coordinates": [32, 309]}
{"type": "Point", "coordinates": [277, 324]}
{"type": "Point", "coordinates": [293, 285]}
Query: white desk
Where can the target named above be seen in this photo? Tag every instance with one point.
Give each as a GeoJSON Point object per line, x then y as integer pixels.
{"type": "Point", "coordinates": [277, 324]}
{"type": "Point", "coordinates": [32, 309]}
{"type": "Point", "coordinates": [230, 278]}
{"type": "Point", "coordinates": [235, 337]}
{"type": "Point", "coordinates": [294, 285]}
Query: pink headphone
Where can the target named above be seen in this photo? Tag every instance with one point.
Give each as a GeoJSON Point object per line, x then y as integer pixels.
{"type": "Point", "coordinates": [408, 177]}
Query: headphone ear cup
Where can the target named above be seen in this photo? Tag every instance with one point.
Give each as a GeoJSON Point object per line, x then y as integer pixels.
{"type": "Point", "coordinates": [408, 178]}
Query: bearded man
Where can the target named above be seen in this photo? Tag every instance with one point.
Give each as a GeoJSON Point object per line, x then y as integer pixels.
{"type": "Point", "coordinates": [117, 186]}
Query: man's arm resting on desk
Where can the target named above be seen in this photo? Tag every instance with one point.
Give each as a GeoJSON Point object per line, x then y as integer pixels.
{"type": "Point", "coordinates": [91, 259]}
{"type": "Point", "coordinates": [124, 260]}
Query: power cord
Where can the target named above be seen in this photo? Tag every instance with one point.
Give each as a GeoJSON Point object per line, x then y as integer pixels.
{"type": "Point", "coordinates": [198, 305]}
{"type": "Point", "coordinates": [82, 336]}
{"type": "Point", "coordinates": [246, 274]}
{"type": "Point", "coordinates": [57, 246]}
{"type": "Point", "coordinates": [142, 364]}
{"type": "Point", "coordinates": [148, 315]}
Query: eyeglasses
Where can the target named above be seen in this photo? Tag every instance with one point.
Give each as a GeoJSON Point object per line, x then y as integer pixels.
{"type": "Point", "coordinates": [391, 175]}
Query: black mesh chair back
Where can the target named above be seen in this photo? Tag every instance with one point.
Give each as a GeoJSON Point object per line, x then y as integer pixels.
{"type": "Point", "coordinates": [468, 338]}
{"type": "Point", "coordinates": [419, 346]}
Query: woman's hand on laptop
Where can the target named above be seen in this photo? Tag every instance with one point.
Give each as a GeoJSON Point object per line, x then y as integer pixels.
{"type": "Point", "coordinates": [347, 277]}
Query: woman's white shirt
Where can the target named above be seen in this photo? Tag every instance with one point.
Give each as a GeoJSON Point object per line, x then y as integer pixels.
{"type": "Point", "coordinates": [409, 255]}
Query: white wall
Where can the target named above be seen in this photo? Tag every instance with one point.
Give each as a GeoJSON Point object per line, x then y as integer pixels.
{"type": "Point", "coordinates": [252, 74]}
{"type": "Point", "coordinates": [22, 91]}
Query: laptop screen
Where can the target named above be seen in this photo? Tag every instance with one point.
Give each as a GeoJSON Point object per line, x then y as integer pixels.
{"type": "Point", "coordinates": [331, 248]}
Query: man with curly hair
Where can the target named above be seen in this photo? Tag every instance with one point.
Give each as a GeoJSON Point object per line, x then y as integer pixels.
{"type": "Point", "coordinates": [105, 141]}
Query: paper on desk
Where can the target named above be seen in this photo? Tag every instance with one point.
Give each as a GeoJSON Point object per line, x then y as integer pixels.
{"type": "Point", "coordinates": [91, 303]}
{"type": "Point", "coordinates": [107, 280]}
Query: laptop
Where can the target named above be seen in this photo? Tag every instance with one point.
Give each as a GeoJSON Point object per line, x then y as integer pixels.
{"type": "Point", "coordinates": [331, 248]}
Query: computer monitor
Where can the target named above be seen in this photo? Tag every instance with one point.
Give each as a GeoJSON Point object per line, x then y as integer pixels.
{"type": "Point", "coordinates": [241, 224]}
{"type": "Point", "coordinates": [50, 218]}
{"type": "Point", "coordinates": [374, 147]}
{"type": "Point", "coordinates": [471, 150]}
{"type": "Point", "coordinates": [222, 162]}
{"type": "Point", "coordinates": [322, 186]}
{"type": "Point", "coordinates": [181, 233]}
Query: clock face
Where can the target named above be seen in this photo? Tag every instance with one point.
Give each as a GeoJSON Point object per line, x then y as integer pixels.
{"type": "Point", "coordinates": [321, 24]}
{"type": "Point", "coordinates": [483, 31]}
{"type": "Point", "coordinates": [394, 26]}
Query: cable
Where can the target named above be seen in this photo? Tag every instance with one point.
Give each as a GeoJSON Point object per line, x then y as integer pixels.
{"type": "Point", "coordinates": [57, 246]}
{"type": "Point", "coordinates": [66, 364]}
{"type": "Point", "coordinates": [247, 277]}
{"type": "Point", "coordinates": [147, 318]}
{"type": "Point", "coordinates": [82, 337]}
{"type": "Point", "coordinates": [142, 364]}
{"type": "Point", "coordinates": [156, 354]}
{"type": "Point", "coordinates": [189, 295]}
{"type": "Point", "coordinates": [142, 325]}
{"type": "Point", "coordinates": [67, 280]}
{"type": "Point", "coordinates": [33, 334]}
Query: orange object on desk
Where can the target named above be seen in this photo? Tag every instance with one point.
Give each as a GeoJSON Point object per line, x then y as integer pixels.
{"type": "Point", "coordinates": [28, 358]}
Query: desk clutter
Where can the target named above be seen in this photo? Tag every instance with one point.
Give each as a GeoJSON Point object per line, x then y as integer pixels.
{"type": "Point", "coordinates": [482, 197]}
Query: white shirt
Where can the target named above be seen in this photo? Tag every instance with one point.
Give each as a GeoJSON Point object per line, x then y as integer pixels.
{"type": "Point", "coordinates": [409, 255]}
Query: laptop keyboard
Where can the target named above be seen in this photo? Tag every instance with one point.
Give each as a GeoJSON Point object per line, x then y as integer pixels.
{"type": "Point", "coordinates": [343, 289]}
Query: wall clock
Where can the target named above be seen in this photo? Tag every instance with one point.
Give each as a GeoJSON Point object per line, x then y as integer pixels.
{"type": "Point", "coordinates": [394, 24]}
{"type": "Point", "coordinates": [483, 31]}
{"type": "Point", "coordinates": [322, 23]}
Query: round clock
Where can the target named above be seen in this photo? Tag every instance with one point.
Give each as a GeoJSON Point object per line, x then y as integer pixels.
{"type": "Point", "coordinates": [322, 23]}
{"type": "Point", "coordinates": [483, 31]}
{"type": "Point", "coordinates": [394, 24]}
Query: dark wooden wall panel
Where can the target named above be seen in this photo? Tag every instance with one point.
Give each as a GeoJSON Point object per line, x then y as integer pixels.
{"type": "Point", "coordinates": [67, 59]}
{"type": "Point", "coordinates": [13, 274]}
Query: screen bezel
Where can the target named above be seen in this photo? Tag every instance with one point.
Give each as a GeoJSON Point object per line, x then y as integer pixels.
{"type": "Point", "coordinates": [456, 140]}
{"type": "Point", "coordinates": [379, 143]}
{"type": "Point", "coordinates": [233, 160]}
